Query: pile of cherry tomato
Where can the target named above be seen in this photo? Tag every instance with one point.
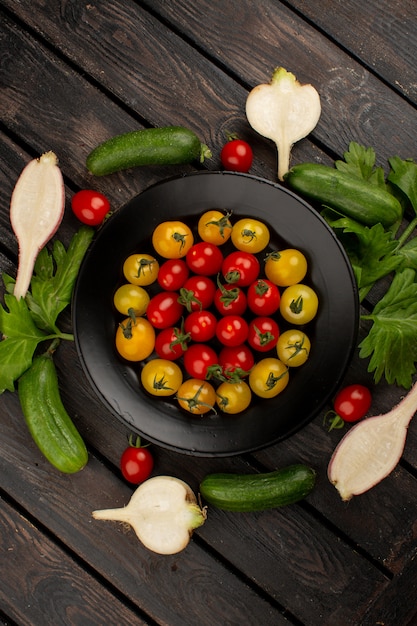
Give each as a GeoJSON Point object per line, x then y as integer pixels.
{"type": "Point", "coordinates": [203, 318]}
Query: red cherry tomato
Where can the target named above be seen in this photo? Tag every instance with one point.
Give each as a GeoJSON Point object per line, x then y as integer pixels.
{"type": "Point", "coordinates": [136, 462]}
{"type": "Point", "coordinates": [172, 274]}
{"type": "Point", "coordinates": [171, 343]}
{"type": "Point", "coordinates": [204, 258]}
{"type": "Point", "coordinates": [232, 330]}
{"type": "Point", "coordinates": [198, 359]}
{"type": "Point", "coordinates": [237, 156]}
{"type": "Point", "coordinates": [236, 358]}
{"type": "Point", "coordinates": [263, 333]}
{"type": "Point", "coordinates": [353, 402]}
{"type": "Point", "coordinates": [263, 297]}
{"type": "Point", "coordinates": [240, 268]}
{"type": "Point", "coordinates": [200, 325]}
{"type": "Point", "coordinates": [197, 293]}
{"type": "Point", "coordinates": [90, 207]}
{"type": "Point", "coordinates": [164, 310]}
{"type": "Point", "coordinates": [230, 300]}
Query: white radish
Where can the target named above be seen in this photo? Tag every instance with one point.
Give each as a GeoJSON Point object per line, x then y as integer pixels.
{"type": "Point", "coordinates": [285, 111]}
{"type": "Point", "coordinates": [163, 512]}
{"type": "Point", "coordinates": [36, 210]}
{"type": "Point", "coordinates": [371, 450]}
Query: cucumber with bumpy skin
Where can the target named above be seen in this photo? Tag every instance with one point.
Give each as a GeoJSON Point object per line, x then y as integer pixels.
{"type": "Point", "coordinates": [169, 145]}
{"type": "Point", "coordinates": [256, 492]}
{"type": "Point", "coordinates": [49, 423]}
{"type": "Point", "coordinates": [350, 196]}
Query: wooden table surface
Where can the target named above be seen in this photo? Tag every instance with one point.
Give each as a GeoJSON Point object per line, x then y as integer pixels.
{"type": "Point", "coordinates": [74, 73]}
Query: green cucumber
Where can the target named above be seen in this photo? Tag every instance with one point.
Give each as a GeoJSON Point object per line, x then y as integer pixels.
{"type": "Point", "coordinates": [352, 197]}
{"type": "Point", "coordinates": [170, 145]}
{"type": "Point", "coordinates": [256, 492]}
{"type": "Point", "coordinates": [49, 424]}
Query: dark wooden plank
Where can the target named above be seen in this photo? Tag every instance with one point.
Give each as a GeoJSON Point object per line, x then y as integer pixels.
{"type": "Point", "coordinates": [144, 40]}
{"type": "Point", "coordinates": [381, 34]}
{"type": "Point", "coordinates": [311, 564]}
{"type": "Point", "coordinates": [387, 512]}
{"type": "Point", "coordinates": [399, 603]}
{"type": "Point", "coordinates": [355, 104]}
{"type": "Point", "coordinates": [158, 56]}
{"type": "Point", "coordinates": [41, 584]}
{"type": "Point", "coordinates": [170, 589]}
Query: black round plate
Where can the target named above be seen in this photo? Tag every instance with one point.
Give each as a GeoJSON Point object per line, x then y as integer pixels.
{"type": "Point", "coordinates": [333, 333]}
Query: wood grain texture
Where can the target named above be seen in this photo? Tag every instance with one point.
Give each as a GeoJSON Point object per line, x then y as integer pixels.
{"type": "Point", "coordinates": [380, 34]}
{"type": "Point", "coordinates": [73, 74]}
{"type": "Point", "coordinates": [45, 586]}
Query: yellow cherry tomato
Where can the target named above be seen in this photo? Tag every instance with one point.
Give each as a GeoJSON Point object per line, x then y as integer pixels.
{"type": "Point", "coordinates": [135, 339]}
{"type": "Point", "coordinates": [172, 240]}
{"type": "Point", "coordinates": [141, 269]}
{"type": "Point", "coordinates": [161, 377]}
{"type": "Point", "coordinates": [233, 398]}
{"type": "Point", "coordinates": [131, 299]}
{"type": "Point", "coordinates": [268, 377]}
{"type": "Point", "coordinates": [214, 227]}
{"type": "Point", "coordinates": [286, 267]}
{"type": "Point", "coordinates": [250, 235]}
{"type": "Point", "coordinates": [299, 304]}
{"type": "Point", "coordinates": [293, 347]}
{"type": "Point", "coordinates": [196, 396]}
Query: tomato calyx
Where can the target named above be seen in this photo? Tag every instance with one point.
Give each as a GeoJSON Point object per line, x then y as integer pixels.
{"type": "Point", "coordinates": [261, 287]}
{"type": "Point", "coordinates": [215, 372]}
{"type": "Point", "coordinates": [221, 224]}
{"type": "Point", "coordinates": [187, 298]}
{"type": "Point", "coordinates": [143, 265]}
{"type": "Point", "coordinates": [235, 375]}
{"type": "Point", "coordinates": [249, 234]}
{"type": "Point", "coordinates": [228, 295]}
{"type": "Point", "coordinates": [274, 255]}
{"type": "Point", "coordinates": [333, 421]}
{"type": "Point", "coordinates": [135, 441]}
{"type": "Point", "coordinates": [298, 348]}
{"type": "Point", "coordinates": [272, 380]}
{"type": "Point", "coordinates": [181, 338]}
{"type": "Point", "coordinates": [180, 238]}
{"type": "Point", "coordinates": [127, 328]}
{"type": "Point", "coordinates": [264, 338]}
{"type": "Point", "coordinates": [232, 277]}
{"type": "Point", "coordinates": [161, 383]}
{"type": "Point", "coordinates": [194, 402]}
{"type": "Point", "coordinates": [296, 306]}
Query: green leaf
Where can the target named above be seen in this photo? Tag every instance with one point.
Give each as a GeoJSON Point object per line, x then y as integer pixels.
{"type": "Point", "coordinates": [54, 278]}
{"type": "Point", "coordinates": [370, 249]}
{"type": "Point", "coordinates": [403, 175]}
{"type": "Point", "coordinates": [391, 342]}
{"type": "Point", "coordinates": [20, 339]}
{"type": "Point", "coordinates": [408, 254]}
{"type": "Point", "coordinates": [359, 162]}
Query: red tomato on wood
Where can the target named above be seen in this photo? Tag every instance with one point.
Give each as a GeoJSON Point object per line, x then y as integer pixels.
{"type": "Point", "coordinates": [353, 402]}
{"type": "Point", "coordinates": [90, 207]}
{"type": "Point", "coordinates": [237, 156]}
{"type": "Point", "coordinates": [136, 463]}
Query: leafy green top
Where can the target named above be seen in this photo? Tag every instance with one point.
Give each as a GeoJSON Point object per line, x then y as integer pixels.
{"type": "Point", "coordinates": [375, 253]}
{"type": "Point", "coordinates": [27, 322]}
